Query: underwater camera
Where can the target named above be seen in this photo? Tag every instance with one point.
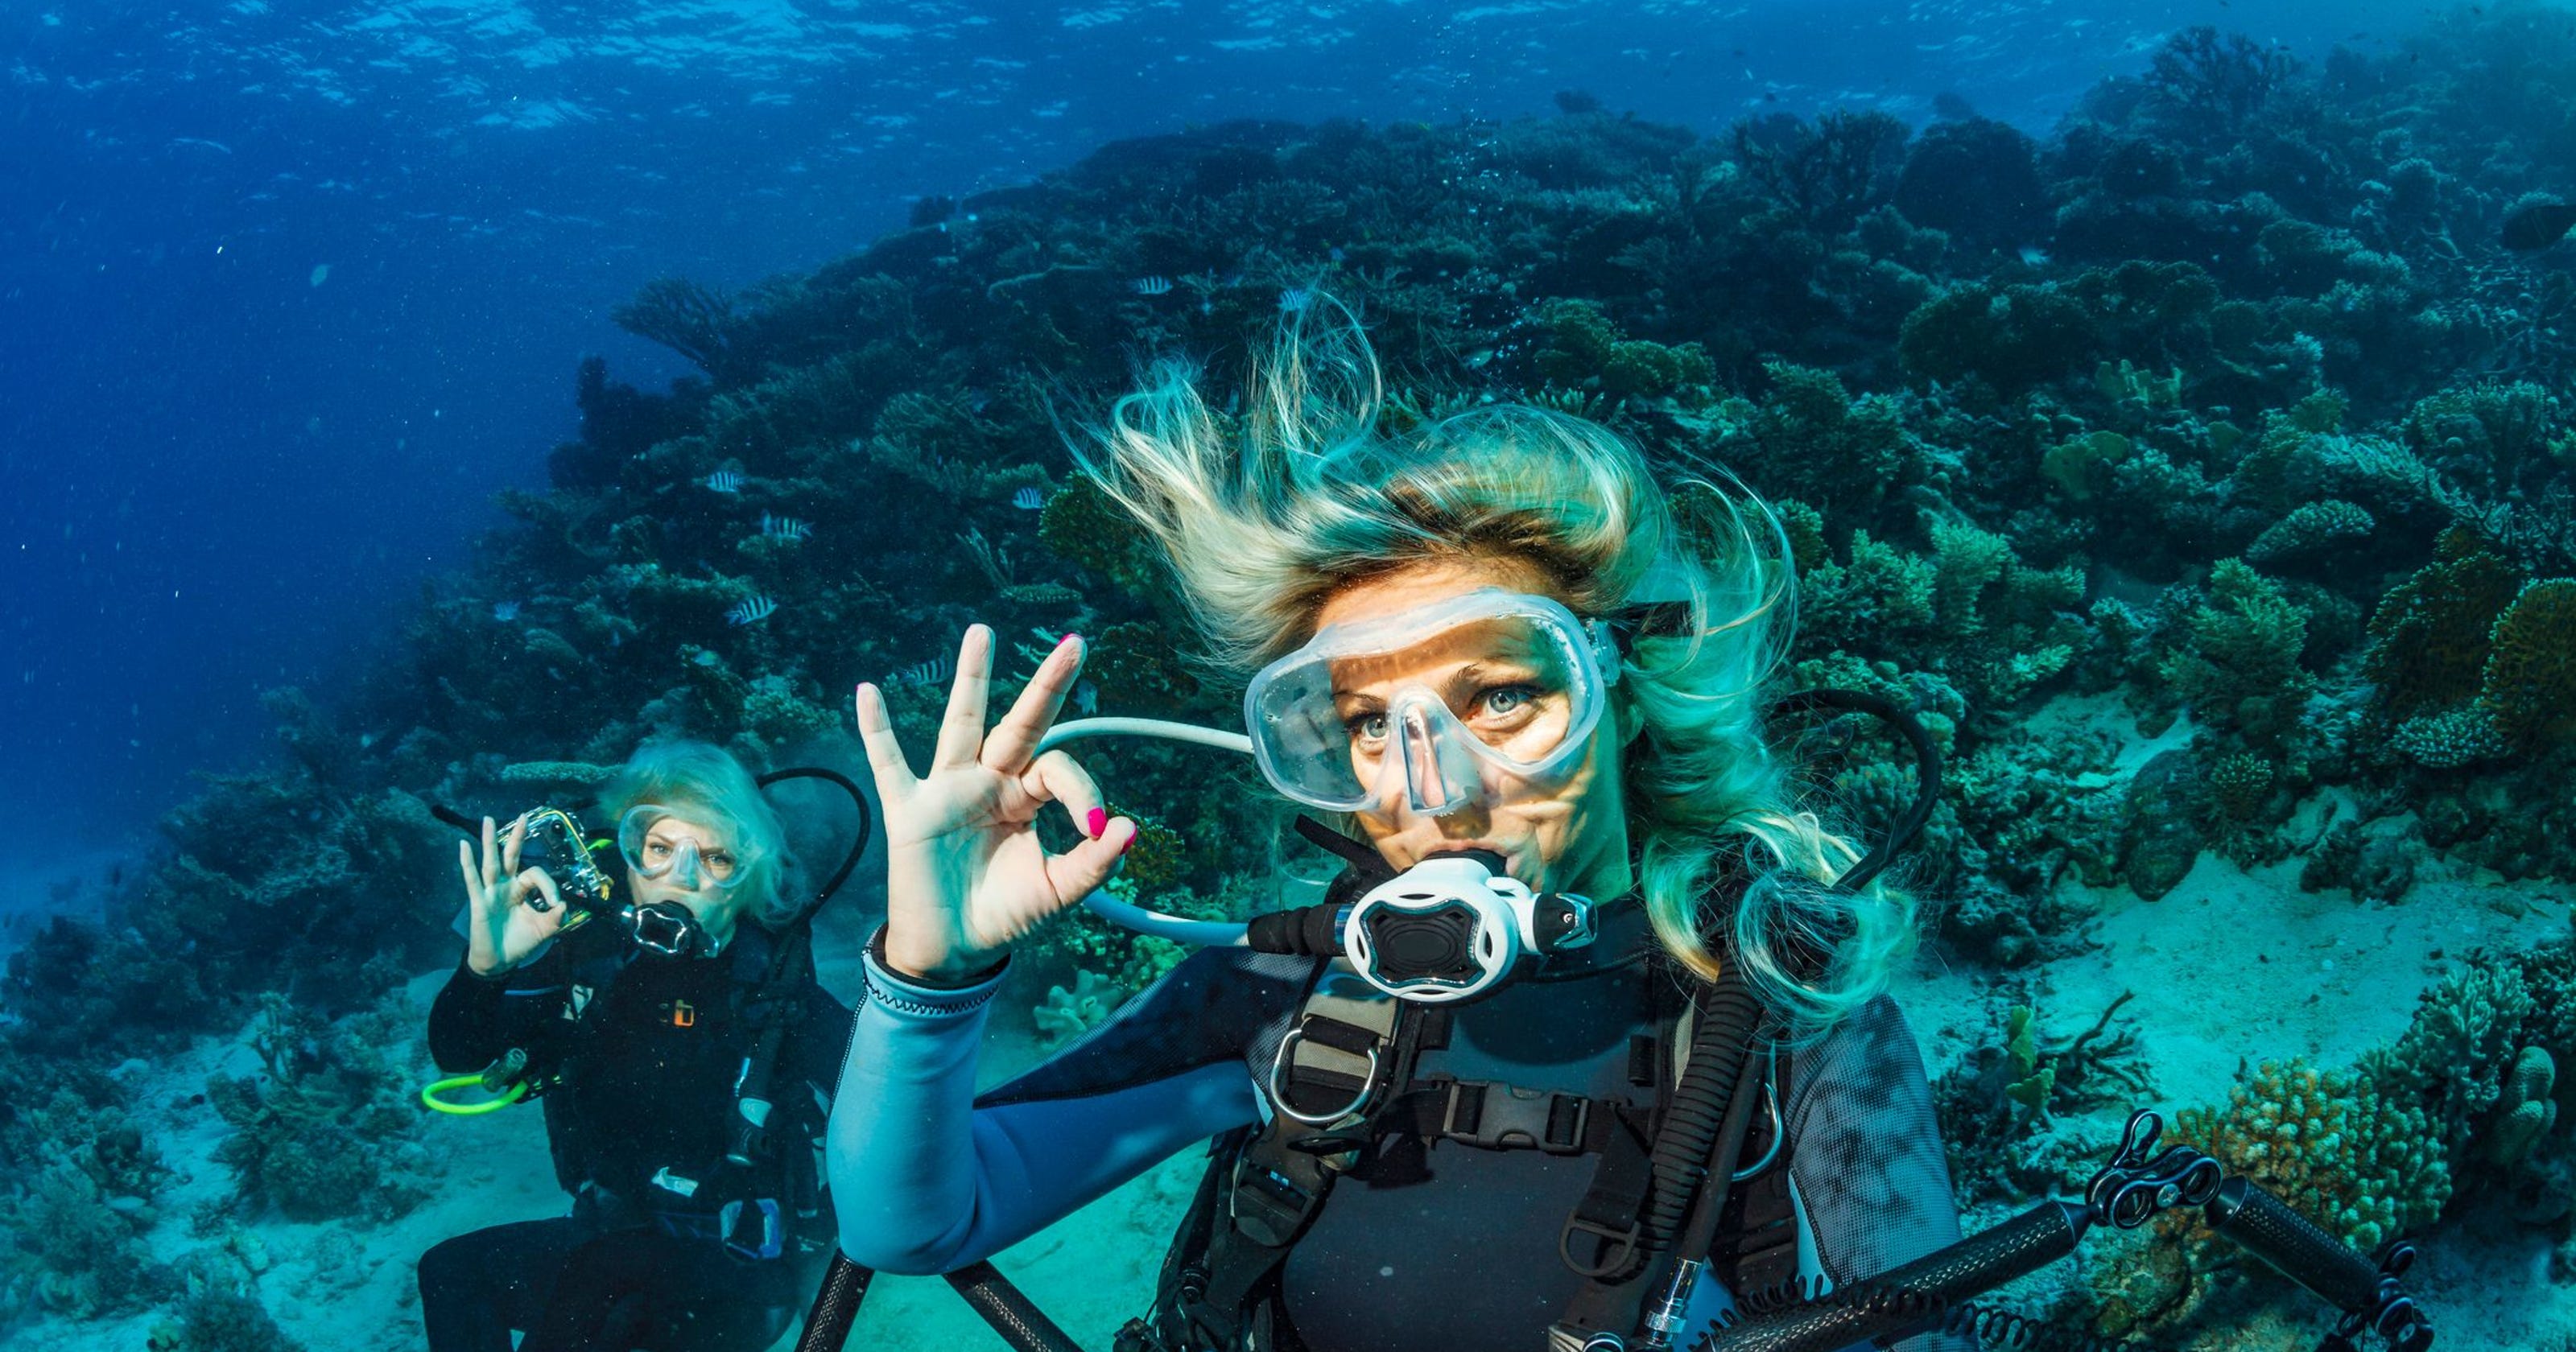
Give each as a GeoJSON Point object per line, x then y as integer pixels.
{"type": "Point", "coordinates": [557, 844]}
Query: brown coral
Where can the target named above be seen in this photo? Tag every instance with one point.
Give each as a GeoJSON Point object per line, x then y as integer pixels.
{"type": "Point", "coordinates": [2431, 631]}
{"type": "Point", "coordinates": [2529, 684]}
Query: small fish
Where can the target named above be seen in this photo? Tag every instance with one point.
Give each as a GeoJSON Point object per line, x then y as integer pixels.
{"type": "Point", "coordinates": [2033, 255]}
{"type": "Point", "coordinates": [931, 672]}
{"type": "Point", "coordinates": [753, 611]}
{"type": "Point", "coordinates": [1335, 253]}
{"type": "Point", "coordinates": [1086, 698]}
{"type": "Point", "coordinates": [2538, 226]}
{"type": "Point", "coordinates": [1029, 500]}
{"type": "Point", "coordinates": [1295, 299]}
{"type": "Point", "coordinates": [1152, 286]}
{"type": "Point", "coordinates": [724, 481]}
{"type": "Point", "coordinates": [505, 611]}
{"type": "Point", "coordinates": [784, 527]}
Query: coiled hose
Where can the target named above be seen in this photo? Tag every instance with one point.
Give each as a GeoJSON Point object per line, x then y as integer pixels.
{"type": "Point", "coordinates": [1721, 1047]}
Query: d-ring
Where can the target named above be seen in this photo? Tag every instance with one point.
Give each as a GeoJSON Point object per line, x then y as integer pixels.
{"type": "Point", "coordinates": [1279, 1095]}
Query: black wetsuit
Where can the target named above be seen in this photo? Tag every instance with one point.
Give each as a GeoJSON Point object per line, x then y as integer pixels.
{"type": "Point", "coordinates": [650, 1049]}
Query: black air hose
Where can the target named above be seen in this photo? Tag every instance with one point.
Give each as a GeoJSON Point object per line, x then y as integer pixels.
{"type": "Point", "coordinates": [1721, 1047]}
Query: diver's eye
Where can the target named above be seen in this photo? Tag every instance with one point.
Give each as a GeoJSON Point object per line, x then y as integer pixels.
{"type": "Point", "coordinates": [1505, 700]}
{"type": "Point", "coordinates": [719, 863]}
{"type": "Point", "coordinates": [656, 850]}
{"type": "Point", "coordinates": [1367, 727]}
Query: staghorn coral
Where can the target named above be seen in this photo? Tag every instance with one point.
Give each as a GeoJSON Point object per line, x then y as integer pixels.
{"type": "Point", "coordinates": [1827, 174]}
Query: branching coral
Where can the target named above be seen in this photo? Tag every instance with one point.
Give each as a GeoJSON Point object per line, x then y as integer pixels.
{"type": "Point", "coordinates": [2238, 664]}
{"type": "Point", "coordinates": [1827, 174]}
{"type": "Point", "coordinates": [689, 319]}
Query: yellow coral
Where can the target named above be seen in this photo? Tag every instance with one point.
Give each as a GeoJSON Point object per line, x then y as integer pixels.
{"type": "Point", "coordinates": [2359, 1166]}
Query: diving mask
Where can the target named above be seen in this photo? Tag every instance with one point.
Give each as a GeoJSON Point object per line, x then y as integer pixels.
{"type": "Point", "coordinates": [661, 853]}
{"type": "Point", "coordinates": [1432, 707]}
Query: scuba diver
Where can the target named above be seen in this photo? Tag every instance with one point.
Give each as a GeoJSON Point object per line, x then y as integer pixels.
{"type": "Point", "coordinates": [1475, 1098]}
{"type": "Point", "coordinates": [698, 1221]}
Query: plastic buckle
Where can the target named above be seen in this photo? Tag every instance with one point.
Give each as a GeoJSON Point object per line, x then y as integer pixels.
{"type": "Point", "coordinates": [1267, 1205]}
{"type": "Point", "coordinates": [1508, 1117]}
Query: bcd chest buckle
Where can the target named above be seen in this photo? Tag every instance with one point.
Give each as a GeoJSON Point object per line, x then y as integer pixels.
{"type": "Point", "coordinates": [1494, 1116]}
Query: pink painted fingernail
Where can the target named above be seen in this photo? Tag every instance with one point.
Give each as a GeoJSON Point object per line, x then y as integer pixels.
{"type": "Point", "coordinates": [1071, 637]}
{"type": "Point", "coordinates": [1095, 822]}
{"type": "Point", "coordinates": [1131, 844]}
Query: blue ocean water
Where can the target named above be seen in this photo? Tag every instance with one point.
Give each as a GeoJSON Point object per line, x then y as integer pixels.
{"type": "Point", "coordinates": [288, 290]}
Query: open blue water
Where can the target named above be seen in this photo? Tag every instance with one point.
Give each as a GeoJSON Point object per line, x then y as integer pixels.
{"type": "Point", "coordinates": [288, 289]}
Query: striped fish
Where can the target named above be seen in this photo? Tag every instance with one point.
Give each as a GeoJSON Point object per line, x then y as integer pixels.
{"type": "Point", "coordinates": [1029, 500]}
{"type": "Point", "coordinates": [1295, 299]}
{"type": "Point", "coordinates": [1152, 286]}
{"type": "Point", "coordinates": [753, 611]}
{"type": "Point", "coordinates": [783, 527]}
{"type": "Point", "coordinates": [931, 672]}
{"type": "Point", "coordinates": [724, 481]}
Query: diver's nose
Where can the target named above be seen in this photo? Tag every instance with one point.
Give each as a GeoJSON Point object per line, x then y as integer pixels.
{"type": "Point", "coordinates": [684, 866]}
{"type": "Point", "coordinates": [1439, 776]}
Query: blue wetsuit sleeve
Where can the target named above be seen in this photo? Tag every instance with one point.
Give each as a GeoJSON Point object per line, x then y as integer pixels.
{"type": "Point", "coordinates": [1867, 1169]}
{"type": "Point", "coordinates": [925, 1179]}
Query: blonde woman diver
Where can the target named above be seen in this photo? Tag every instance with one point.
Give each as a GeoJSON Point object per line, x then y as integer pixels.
{"type": "Point", "coordinates": [669, 1244]}
{"type": "Point", "coordinates": [1489, 648]}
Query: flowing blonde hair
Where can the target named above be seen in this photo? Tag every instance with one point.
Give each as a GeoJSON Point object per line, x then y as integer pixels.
{"type": "Point", "coordinates": [685, 774]}
{"type": "Point", "coordinates": [1265, 516]}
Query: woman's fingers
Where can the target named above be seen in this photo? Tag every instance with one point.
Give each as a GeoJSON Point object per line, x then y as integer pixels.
{"type": "Point", "coordinates": [1057, 778]}
{"type": "Point", "coordinates": [1078, 872]}
{"type": "Point", "coordinates": [1034, 711]}
{"type": "Point", "coordinates": [885, 755]}
{"type": "Point", "coordinates": [491, 856]}
{"type": "Point", "coordinates": [475, 892]}
{"type": "Point", "coordinates": [961, 729]}
{"type": "Point", "coordinates": [538, 880]}
{"type": "Point", "coordinates": [510, 847]}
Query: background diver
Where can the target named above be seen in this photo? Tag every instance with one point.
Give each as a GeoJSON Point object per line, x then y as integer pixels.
{"type": "Point", "coordinates": [638, 1032]}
